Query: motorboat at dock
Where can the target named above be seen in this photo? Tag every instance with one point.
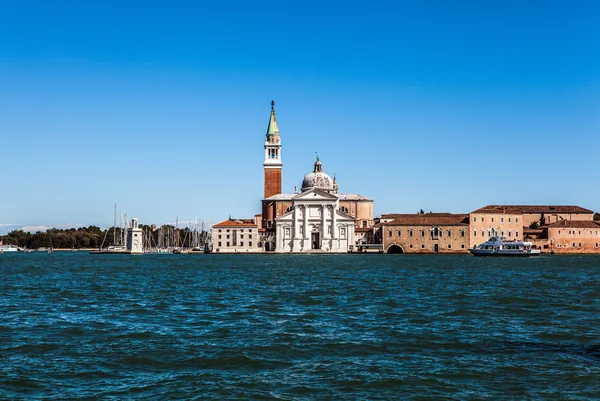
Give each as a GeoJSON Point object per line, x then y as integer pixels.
{"type": "Point", "coordinates": [500, 246]}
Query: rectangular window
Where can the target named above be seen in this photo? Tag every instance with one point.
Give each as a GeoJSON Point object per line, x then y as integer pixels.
{"type": "Point", "coordinates": [474, 233]}
{"type": "Point", "coordinates": [219, 236]}
{"type": "Point", "coordinates": [241, 236]}
{"type": "Point", "coordinates": [580, 244]}
{"type": "Point", "coordinates": [399, 233]}
{"type": "Point", "coordinates": [462, 233]}
{"type": "Point", "coordinates": [517, 219]}
{"type": "Point", "coordinates": [516, 234]}
{"type": "Point", "coordinates": [449, 246]}
{"type": "Point", "coordinates": [449, 233]}
{"type": "Point", "coordinates": [242, 243]}
{"type": "Point", "coordinates": [483, 219]}
{"type": "Point", "coordinates": [422, 233]}
{"type": "Point", "coordinates": [364, 223]}
{"type": "Point", "coordinates": [250, 236]}
{"type": "Point", "coordinates": [596, 245]}
{"type": "Point", "coordinates": [219, 244]}
{"type": "Point", "coordinates": [227, 243]}
{"type": "Point", "coordinates": [389, 233]}
{"type": "Point", "coordinates": [501, 219]}
{"type": "Point", "coordinates": [509, 219]}
{"type": "Point", "coordinates": [410, 233]}
{"type": "Point", "coordinates": [219, 230]}
{"type": "Point", "coordinates": [462, 246]}
{"type": "Point", "coordinates": [573, 245]}
{"type": "Point", "coordinates": [492, 219]}
{"type": "Point", "coordinates": [482, 233]}
{"type": "Point", "coordinates": [509, 233]}
{"type": "Point", "coordinates": [474, 219]}
{"type": "Point", "coordinates": [250, 244]}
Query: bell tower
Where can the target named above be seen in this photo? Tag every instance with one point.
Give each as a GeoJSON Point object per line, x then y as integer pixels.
{"type": "Point", "coordinates": [272, 164]}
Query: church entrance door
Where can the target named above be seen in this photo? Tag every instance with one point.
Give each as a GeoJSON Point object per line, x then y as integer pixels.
{"type": "Point", "coordinates": [314, 239]}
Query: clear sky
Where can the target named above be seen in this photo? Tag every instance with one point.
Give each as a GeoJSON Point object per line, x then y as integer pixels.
{"type": "Point", "coordinates": [162, 107]}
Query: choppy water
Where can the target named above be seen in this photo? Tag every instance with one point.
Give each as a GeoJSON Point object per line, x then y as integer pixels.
{"type": "Point", "coordinates": [78, 326]}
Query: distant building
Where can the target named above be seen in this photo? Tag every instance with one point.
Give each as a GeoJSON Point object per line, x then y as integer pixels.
{"type": "Point", "coordinates": [512, 221]}
{"type": "Point", "coordinates": [425, 233]}
{"type": "Point", "coordinates": [572, 236]}
{"type": "Point", "coordinates": [233, 236]}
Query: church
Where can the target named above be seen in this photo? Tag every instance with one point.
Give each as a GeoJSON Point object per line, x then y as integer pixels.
{"type": "Point", "coordinates": [316, 219]}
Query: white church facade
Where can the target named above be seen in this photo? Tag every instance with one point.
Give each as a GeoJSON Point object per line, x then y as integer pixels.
{"type": "Point", "coordinates": [314, 223]}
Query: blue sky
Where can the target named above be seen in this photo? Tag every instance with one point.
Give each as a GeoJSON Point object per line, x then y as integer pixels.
{"type": "Point", "coordinates": [162, 107]}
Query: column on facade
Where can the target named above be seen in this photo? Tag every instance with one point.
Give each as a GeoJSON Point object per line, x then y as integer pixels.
{"type": "Point", "coordinates": [295, 222]}
{"type": "Point", "coordinates": [334, 222]}
{"type": "Point", "coordinates": [306, 222]}
{"type": "Point", "coordinates": [278, 237]}
{"type": "Point", "coordinates": [324, 221]}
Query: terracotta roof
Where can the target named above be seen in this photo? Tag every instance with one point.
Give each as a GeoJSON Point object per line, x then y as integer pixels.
{"type": "Point", "coordinates": [518, 209]}
{"type": "Point", "coordinates": [280, 197]}
{"type": "Point", "coordinates": [575, 224]}
{"type": "Point", "coordinates": [236, 223]}
{"type": "Point", "coordinates": [355, 197]}
{"type": "Point", "coordinates": [430, 219]}
{"type": "Point", "coordinates": [401, 215]}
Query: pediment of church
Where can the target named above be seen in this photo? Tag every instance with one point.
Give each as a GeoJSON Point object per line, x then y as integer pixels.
{"type": "Point", "coordinates": [315, 194]}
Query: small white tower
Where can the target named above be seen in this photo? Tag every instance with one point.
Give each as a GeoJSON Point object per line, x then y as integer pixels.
{"type": "Point", "coordinates": [135, 243]}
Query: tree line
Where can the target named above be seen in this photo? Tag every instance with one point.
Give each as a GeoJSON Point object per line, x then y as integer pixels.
{"type": "Point", "coordinates": [94, 237]}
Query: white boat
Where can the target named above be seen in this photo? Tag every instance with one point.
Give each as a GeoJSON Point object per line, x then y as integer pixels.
{"type": "Point", "coordinates": [9, 248]}
{"type": "Point", "coordinates": [500, 246]}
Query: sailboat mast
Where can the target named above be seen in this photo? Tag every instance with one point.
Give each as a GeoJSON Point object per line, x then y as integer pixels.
{"type": "Point", "coordinates": [115, 226]}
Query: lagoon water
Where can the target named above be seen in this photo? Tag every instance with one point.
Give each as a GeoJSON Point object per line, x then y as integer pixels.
{"type": "Point", "coordinates": [79, 326]}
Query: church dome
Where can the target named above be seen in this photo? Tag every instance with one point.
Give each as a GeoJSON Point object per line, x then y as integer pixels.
{"type": "Point", "coordinates": [317, 179]}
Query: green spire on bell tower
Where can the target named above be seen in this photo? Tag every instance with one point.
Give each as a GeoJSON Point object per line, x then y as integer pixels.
{"type": "Point", "coordinates": [273, 129]}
